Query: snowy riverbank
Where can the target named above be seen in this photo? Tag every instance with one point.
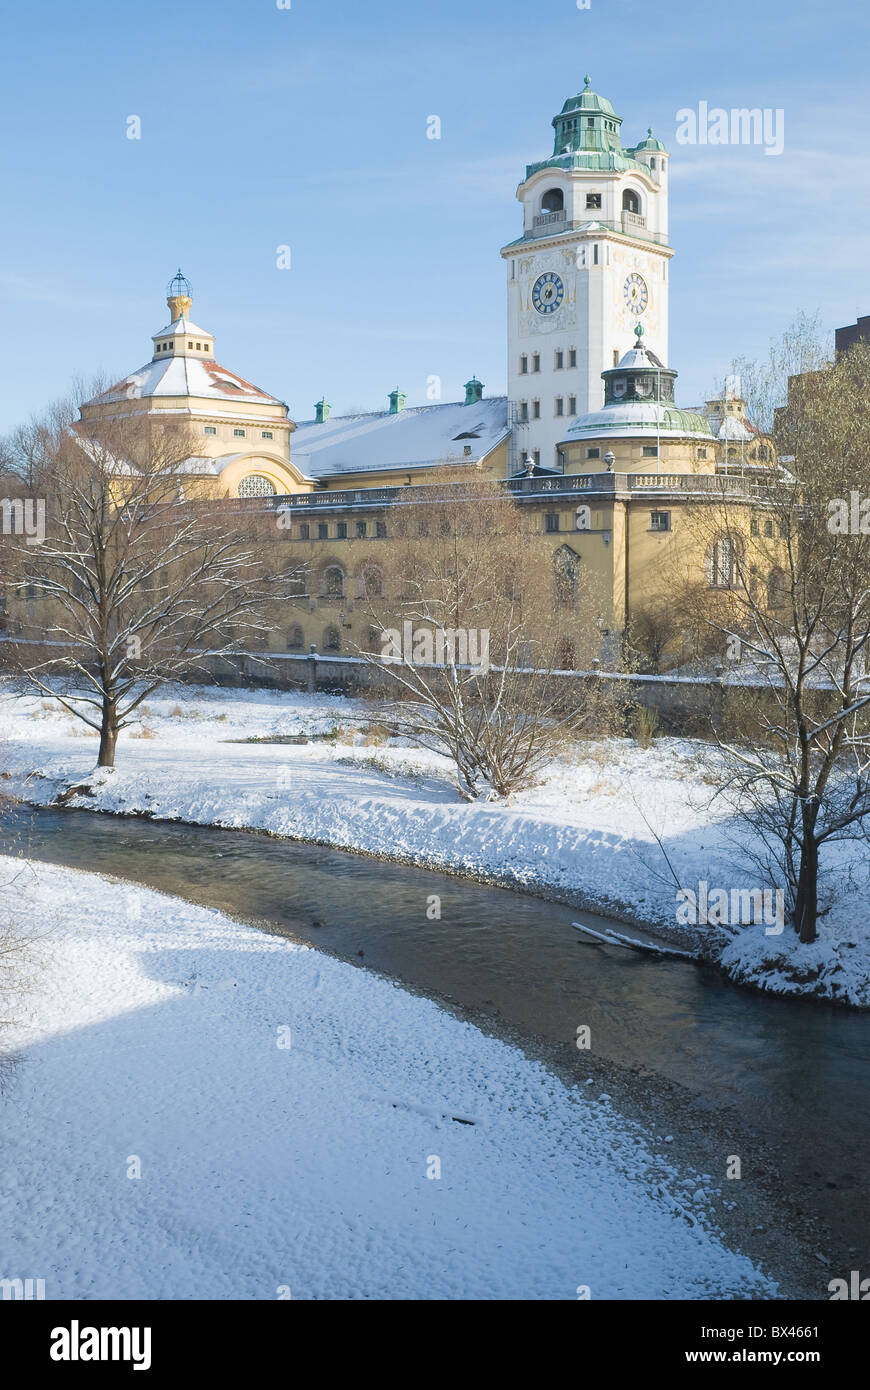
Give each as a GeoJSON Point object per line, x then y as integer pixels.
{"type": "Point", "coordinates": [594, 833]}
{"type": "Point", "coordinates": [200, 1110]}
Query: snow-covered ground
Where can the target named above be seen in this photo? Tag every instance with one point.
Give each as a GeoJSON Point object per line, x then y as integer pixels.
{"type": "Point", "coordinates": [596, 831]}
{"type": "Point", "coordinates": [200, 1110]}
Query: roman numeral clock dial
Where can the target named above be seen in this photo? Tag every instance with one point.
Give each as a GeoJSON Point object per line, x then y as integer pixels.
{"type": "Point", "coordinates": [635, 294]}
{"type": "Point", "coordinates": [548, 293]}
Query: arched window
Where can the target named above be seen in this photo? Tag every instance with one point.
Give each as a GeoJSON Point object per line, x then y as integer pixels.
{"type": "Point", "coordinates": [777, 592]}
{"type": "Point", "coordinates": [371, 582]}
{"type": "Point", "coordinates": [333, 582]}
{"type": "Point", "coordinates": [630, 201]}
{"type": "Point", "coordinates": [723, 563]}
{"type": "Point", "coordinates": [295, 639]}
{"type": "Point", "coordinates": [553, 201]}
{"type": "Point", "coordinates": [566, 576]}
{"type": "Point", "coordinates": [331, 639]}
{"type": "Point", "coordinates": [255, 485]}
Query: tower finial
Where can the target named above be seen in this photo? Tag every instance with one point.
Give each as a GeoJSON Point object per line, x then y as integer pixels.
{"type": "Point", "coordinates": [179, 295]}
{"type": "Point", "coordinates": [587, 81]}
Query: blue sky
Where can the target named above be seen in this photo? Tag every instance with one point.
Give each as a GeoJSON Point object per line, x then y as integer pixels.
{"type": "Point", "coordinates": [307, 127]}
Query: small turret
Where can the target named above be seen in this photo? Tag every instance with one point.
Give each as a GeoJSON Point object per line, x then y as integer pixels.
{"type": "Point", "coordinates": [322, 411]}
{"type": "Point", "coordinates": [179, 296]}
{"type": "Point", "coordinates": [397, 401]}
{"type": "Point", "coordinates": [473, 391]}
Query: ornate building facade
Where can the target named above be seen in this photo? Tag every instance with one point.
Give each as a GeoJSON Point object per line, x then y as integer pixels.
{"type": "Point", "coordinates": [589, 438]}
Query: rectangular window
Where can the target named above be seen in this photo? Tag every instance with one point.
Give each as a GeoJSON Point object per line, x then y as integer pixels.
{"type": "Point", "coordinates": [650, 451]}
{"type": "Point", "coordinates": [594, 453]}
{"type": "Point", "coordinates": [537, 458]}
{"type": "Point", "coordinates": [560, 361]}
{"type": "Point", "coordinates": [768, 528]}
{"type": "Point", "coordinates": [211, 429]}
{"type": "Point", "coordinates": [524, 366]}
{"type": "Point", "coordinates": [536, 410]}
{"type": "Point", "coordinates": [593, 200]}
{"type": "Point", "coordinates": [239, 434]}
{"type": "Point", "coordinates": [551, 521]}
{"type": "Point", "coordinates": [572, 357]}
{"type": "Point", "coordinates": [199, 347]}
{"type": "Point", "coordinates": [266, 434]}
{"type": "Point", "coordinates": [753, 528]}
{"type": "Point", "coordinates": [702, 453]}
{"type": "Point", "coordinates": [205, 348]}
{"type": "Point", "coordinates": [304, 530]}
{"type": "Point", "coordinates": [524, 410]}
{"type": "Point", "coordinates": [560, 405]}
{"type": "Point", "coordinates": [190, 345]}
{"type": "Point", "coordinates": [660, 521]}
{"type": "Point", "coordinates": [595, 254]}
{"type": "Point", "coordinates": [381, 530]}
{"type": "Point", "coordinates": [572, 405]}
{"type": "Point", "coordinates": [341, 530]}
{"type": "Point", "coordinates": [536, 362]}
{"type": "Point", "coordinates": [360, 529]}
{"type": "Point", "coordinates": [323, 530]}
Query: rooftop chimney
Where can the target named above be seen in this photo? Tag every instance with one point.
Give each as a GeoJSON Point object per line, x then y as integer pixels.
{"type": "Point", "coordinates": [322, 411]}
{"type": "Point", "coordinates": [397, 401]}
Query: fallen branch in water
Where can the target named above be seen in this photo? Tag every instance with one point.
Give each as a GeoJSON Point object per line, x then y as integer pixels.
{"type": "Point", "coordinates": [612, 938]}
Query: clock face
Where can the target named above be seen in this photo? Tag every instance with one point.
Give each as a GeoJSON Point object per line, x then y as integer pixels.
{"type": "Point", "coordinates": [548, 293]}
{"type": "Point", "coordinates": [635, 294]}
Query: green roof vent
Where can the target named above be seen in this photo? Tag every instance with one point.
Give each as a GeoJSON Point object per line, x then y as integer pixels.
{"type": "Point", "coordinates": [322, 411]}
{"type": "Point", "coordinates": [397, 401]}
{"type": "Point", "coordinates": [473, 391]}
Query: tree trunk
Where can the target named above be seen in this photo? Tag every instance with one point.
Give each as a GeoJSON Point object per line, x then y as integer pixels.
{"type": "Point", "coordinates": [108, 735]}
{"type": "Point", "coordinates": [806, 910]}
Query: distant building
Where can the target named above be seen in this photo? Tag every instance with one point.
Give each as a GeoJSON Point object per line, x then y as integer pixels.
{"type": "Point", "coordinates": [859, 332]}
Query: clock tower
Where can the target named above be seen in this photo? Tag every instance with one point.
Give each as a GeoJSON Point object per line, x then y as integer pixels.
{"type": "Point", "coordinates": [591, 264]}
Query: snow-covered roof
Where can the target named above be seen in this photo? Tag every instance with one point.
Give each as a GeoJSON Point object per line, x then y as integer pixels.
{"type": "Point", "coordinates": [183, 326]}
{"type": "Point", "coordinates": [733, 428]}
{"type": "Point", "coordinates": [639, 420]}
{"type": "Point", "coordinates": [421, 436]}
{"type": "Point", "coordinates": [185, 376]}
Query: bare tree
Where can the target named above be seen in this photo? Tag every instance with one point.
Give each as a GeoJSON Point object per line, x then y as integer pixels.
{"type": "Point", "coordinates": [795, 590]}
{"type": "Point", "coordinates": [473, 621]}
{"type": "Point", "coordinates": [764, 384]}
{"type": "Point", "coordinates": [134, 580]}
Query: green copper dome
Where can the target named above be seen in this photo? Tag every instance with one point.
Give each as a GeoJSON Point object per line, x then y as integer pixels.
{"type": "Point", "coordinates": [651, 143]}
{"type": "Point", "coordinates": [587, 137]}
{"type": "Point", "coordinates": [587, 100]}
